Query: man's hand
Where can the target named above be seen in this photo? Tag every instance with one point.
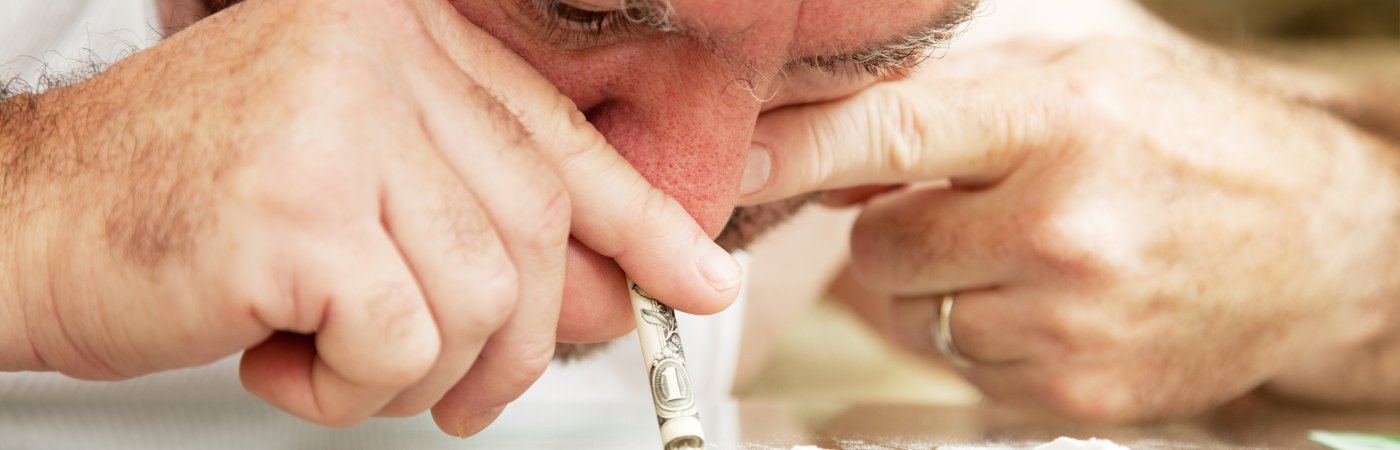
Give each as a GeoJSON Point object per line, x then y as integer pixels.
{"type": "Point", "coordinates": [1133, 231]}
{"type": "Point", "coordinates": [373, 197]}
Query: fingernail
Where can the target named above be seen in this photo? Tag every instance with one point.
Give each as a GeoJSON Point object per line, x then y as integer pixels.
{"type": "Point", "coordinates": [719, 267]}
{"type": "Point", "coordinates": [477, 422]}
{"type": "Point", "coordinates": [757, 170]}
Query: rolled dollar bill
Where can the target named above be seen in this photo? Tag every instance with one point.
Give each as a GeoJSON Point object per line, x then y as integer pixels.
{"type": "Point", "coordinates": [671, 391]}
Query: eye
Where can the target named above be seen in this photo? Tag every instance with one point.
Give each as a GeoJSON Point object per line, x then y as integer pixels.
{"type": "Point", "coordinates": [580, 18]}
{"type": "Point", "coordinates": [577, 27]}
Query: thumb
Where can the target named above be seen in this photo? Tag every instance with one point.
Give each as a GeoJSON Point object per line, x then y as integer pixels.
{"type": "Point", "coordinates": [918, 129]}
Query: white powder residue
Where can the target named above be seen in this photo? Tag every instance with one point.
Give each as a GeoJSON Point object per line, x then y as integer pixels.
{"type": "Point", "coordinates": [1065, 443]}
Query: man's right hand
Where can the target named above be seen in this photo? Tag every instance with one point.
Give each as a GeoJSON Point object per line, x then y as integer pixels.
{"type": "Point", "coordinates": [372, 197]}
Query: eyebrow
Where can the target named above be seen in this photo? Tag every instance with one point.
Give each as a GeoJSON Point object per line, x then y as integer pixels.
{"type": "Point", "coordinates": [904, 51]}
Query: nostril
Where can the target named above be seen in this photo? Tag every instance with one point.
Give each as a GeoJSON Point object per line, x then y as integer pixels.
{"type": "Point", "coordinates": [598, 110]}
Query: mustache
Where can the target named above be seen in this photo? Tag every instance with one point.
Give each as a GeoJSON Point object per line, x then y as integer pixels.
{"type": "Point", "coordinates": [749, 223]}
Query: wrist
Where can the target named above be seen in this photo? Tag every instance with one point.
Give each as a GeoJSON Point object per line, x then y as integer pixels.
{"type": "Point", "coordinates": [1356, 366]}
{"type": "Point", "coordinates": [19, 265]}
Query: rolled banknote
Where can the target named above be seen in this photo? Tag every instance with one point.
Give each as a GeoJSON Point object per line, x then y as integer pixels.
{"type": "Point", "coordinates": [671, 391]}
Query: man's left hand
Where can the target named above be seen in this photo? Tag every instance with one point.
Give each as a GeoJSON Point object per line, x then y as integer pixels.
{"type": "Point", "coordinates": [1132, 230]}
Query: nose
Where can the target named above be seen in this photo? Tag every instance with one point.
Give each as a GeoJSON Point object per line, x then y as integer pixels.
{"type": "Point", "coordinates": [686, 131]}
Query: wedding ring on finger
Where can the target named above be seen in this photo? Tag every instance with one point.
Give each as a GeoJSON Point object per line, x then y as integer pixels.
{"type": "Point", "coordinates": [941, 328]}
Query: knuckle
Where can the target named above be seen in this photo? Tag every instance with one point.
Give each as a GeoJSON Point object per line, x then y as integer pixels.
{"type": "Point", "coordinates": [652, 206]}
{"type": "Point", "coordinates": [1064, 245]}
{"type": "Point", "coordinates": [893, 251]}
{"type": "Point", "coordinates": [511, 370]}
{"type": "Point", "coordinates": [553, 217]}
{"type": "Point", "coordinates": [527, 362]}
{"type": "Point", "coordinates": [1079, 331]}
{"type": "Point", "coordinates": [398, 309]}
{"type": "Point", "coordinates": [901, 125]}
{"type": "Point", "coordinates": [901, 247]}
{"type": "Point", "coordinates": [470, 232]}
{"type": "Point", "coordinates": [825, 147]}
{"type": "Point", "coordinates": [494, 301]}
{"type": "Point", "coordinates": [506, 124]}
{"type": "Point", "coordinates": [1088, 397]}
{"type": "Point", "coordinates": [1092, 97]}
{"type": "Point", "coordinates": [582, 153]}
{"type": "Point", "coordinates": [570, 138]}
{"type": "Point", "coordinates": [411, 364]}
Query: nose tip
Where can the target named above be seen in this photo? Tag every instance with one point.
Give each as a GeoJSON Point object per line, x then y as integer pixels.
{"type": "Point", "coordinates": [693, 155]}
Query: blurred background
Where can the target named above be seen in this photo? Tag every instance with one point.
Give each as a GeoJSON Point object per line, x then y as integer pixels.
{"type": "Point", "coordinates": [1360, 38]}
{"type": "Point", "coordinates": [828, 354]}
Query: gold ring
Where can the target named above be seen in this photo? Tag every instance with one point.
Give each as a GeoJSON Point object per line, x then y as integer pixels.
{"type": "Point", "coordinates": [942, 331]}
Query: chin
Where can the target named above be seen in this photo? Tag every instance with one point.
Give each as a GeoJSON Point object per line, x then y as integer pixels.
{"type": "Point", "coordinates": [746, 225]}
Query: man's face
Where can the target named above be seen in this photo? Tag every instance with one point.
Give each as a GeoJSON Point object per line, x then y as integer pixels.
{"type": "Point", "coordinates": [680, 101]}
{"type": "Point", "coordinates": [677, 86]}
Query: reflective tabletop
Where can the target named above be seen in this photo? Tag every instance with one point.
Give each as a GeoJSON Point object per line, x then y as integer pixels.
{"type": "Point", "coordinates": [748, 424]}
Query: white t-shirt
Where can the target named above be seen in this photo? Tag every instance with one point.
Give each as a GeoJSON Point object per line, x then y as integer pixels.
{"type": "Point", "coordinates": [62, 35]}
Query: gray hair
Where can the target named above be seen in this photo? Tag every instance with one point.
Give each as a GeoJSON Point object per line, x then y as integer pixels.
{"type": "Point", "coordinates": [653, 14]}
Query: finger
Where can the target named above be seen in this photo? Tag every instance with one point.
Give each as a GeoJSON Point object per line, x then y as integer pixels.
{"type": "Point", "coordinates": [938, 240]}
{"type": "Point", "coordinates": [608, 316]}
{"type": "Point", "coordinates": [468, 277]}
{"type": "Point", "coordinates": [616, 212]}
{"type": "Point", "coordinates": [529, 207]}
{"type": "Point", "coordinates": [909, 131]}
{"type": "Point", "coordinates": [1082, 390]}
{"type": "Point", "coordinates": [989, 326]}
{"type": "Point", "coordinates": [512, 361]}
{"type": "Point", "coordinates": [375, 337]}
{"type": "Point", "coordinates": [496, 157]}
